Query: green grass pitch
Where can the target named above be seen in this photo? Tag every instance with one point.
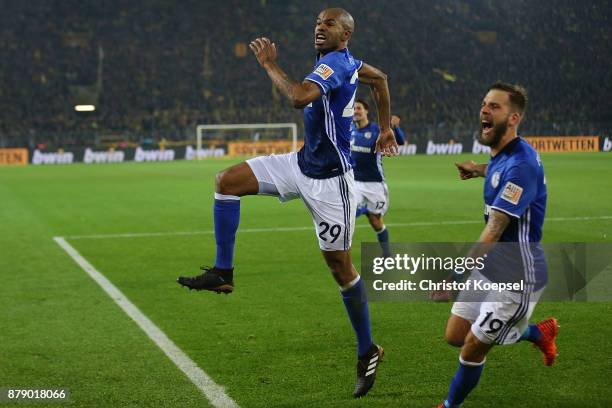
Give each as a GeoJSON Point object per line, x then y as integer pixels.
{"type": "Point", "coordinates": [283, 338]}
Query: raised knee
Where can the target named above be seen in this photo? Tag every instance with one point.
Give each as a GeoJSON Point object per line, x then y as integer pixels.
{"type": "Point", "coordinates": [222, 184]}
{"type": "Point", "coordinates": [454, 339]}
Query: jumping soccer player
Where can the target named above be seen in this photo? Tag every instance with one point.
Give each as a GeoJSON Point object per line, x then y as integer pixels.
{"type": "Point", "coordinates": [515, 204]}
{"type": "Point", "coordinates": [320, 173]}
{"type": "Point", "coordinates": [370, 187]}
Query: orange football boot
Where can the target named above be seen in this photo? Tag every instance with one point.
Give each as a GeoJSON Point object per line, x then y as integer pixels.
{"type": "Point", "coordinates": [546, 344]}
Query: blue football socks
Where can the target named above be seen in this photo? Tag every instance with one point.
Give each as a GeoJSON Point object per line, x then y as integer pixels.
{"type": "Point", "coordinates": [361, 211]}
{"type": "Point", "coordinates": [227, 217]}
{"type": "Point", "coordinates": [463, 382]}
{"type": "Point", "coordinates": [383, 240]}
{"type": "Point", "coordinates": [532, 333]}
{"type": "Point", "coordinates": [356, 303]}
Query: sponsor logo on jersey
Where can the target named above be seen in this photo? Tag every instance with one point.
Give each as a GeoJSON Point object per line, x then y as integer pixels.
{"type": "Point", "coordinates": [324, 71]}
{"type": "Point", "coordinates": [512, 193]}
{"type": "Point", "coordinates": [361, 149]}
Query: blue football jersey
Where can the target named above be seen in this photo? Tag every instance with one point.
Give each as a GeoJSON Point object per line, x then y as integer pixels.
{"type": "Point", "coordinates": [515, 185]}
{"type": "Point", "coordinates": [367, 164]}
{"type": "Point", "coordinates": [327, 121]}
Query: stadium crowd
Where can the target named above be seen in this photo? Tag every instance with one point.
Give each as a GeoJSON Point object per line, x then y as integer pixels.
{"type": "Point", "coordinates": [161, 67]}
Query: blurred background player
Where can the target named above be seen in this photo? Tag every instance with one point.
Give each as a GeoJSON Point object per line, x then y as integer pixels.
{"type": "Point", "coordinates": [320, 173]}
{"type": "Point", "coordinates": [370, 186]}
{"type": "Point", "coordinates": [515, 203]}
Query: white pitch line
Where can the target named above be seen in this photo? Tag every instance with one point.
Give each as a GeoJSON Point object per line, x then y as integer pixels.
{"type": "Point", "coordinates": [211, 390]}
{"type": "Point", "coordinates": [289, 229]}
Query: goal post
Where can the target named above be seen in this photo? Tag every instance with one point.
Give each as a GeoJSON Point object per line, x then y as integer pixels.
{"type": "Point", "coordinates": [223, 129]}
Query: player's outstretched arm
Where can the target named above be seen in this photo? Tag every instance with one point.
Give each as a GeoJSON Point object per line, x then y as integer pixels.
{"type": "Point", "coordinates": [300, 94]}
{"type": "Point", "coordinates": [470, 169]}
{"type": "Point", "coordinates": [377, 80]}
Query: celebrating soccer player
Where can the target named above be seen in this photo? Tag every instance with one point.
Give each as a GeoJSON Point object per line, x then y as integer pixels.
{"type": "Point", "coordinates": [370, 187]}
{"type": "Point", "coordinates": [320, 173]}
{"type": "Point", "coordinates": [515, 204]}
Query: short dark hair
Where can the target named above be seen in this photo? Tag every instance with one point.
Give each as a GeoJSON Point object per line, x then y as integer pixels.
{"type": "Point", "coordinates": [517, 94]}
{"type": "Point", "coordinates": [364, 103]}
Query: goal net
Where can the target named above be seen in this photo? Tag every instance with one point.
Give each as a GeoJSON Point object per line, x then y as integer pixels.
{"type": "Point", "coordinates": [249, 139]}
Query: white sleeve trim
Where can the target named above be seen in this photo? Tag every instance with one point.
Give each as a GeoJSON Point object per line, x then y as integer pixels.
{"type": "Point", "coordinates": [504, 211]}
{"type": "Point", "coordinates": [318, 83]}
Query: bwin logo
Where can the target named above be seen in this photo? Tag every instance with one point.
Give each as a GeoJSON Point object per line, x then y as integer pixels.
{"type": "Point", "coordinates": [607, 145]}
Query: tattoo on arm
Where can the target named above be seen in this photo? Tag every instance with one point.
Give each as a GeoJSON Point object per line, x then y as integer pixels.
{"type": "Point", "coordinates": [299, 94]}
{"type": "Point", "coordinates": [281, 80]}
{"type": "Point", "coordinates": [498, 222]}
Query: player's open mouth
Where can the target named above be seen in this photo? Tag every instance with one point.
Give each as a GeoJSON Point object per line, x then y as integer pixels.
{"type": "Point", "coordinates": [320, 39]}
{"type": "Point", "coordinates": [486, 126]}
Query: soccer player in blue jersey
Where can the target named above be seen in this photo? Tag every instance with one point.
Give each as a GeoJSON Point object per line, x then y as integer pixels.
{"type": "Point", "coordinates": [515, 204]}
{"type": "Point", "coordinates": [320, 173]}
{"type": "Point", "coordinates": [370, 186]}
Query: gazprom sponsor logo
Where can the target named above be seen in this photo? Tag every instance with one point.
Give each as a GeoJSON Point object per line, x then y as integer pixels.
{"type": "Point", "coordinates": [361, 149]}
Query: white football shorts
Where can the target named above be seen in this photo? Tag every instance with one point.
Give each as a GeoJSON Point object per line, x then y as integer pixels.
{"type": "Point", "coordinates": [374, 195]}
{"type": "Point", "coordinates": [331, 201]}
{"type": "Point", "coordinates": [502, 319]}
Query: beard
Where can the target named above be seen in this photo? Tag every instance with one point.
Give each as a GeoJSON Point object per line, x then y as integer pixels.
{"type": "Point", "coordinates": [499, 130]}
